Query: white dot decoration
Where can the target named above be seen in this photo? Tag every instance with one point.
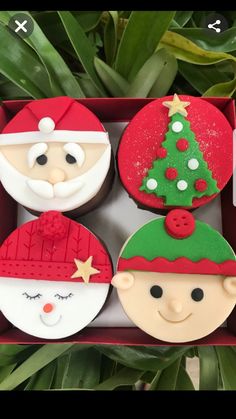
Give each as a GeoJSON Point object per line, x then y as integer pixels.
{"type": "Point", "coordinates": [46, 125]}
{"type": "Point", "coordinates": [193, 164]}
{"type": "Point", "coordinates": [151, 184]}
{"type": "Point", "coordinates": [182, 185]}
{"type": "Point", "coordinates": [177, 126]}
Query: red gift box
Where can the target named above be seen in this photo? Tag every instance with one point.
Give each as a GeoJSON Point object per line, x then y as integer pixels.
{"type": "Point", "coordinates": [118, 110]}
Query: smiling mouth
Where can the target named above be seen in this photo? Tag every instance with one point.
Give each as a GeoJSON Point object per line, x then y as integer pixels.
{"type": "Point", "coordinates": [174, 321]}
{"type": "Point", "coordinates": [49, 325]}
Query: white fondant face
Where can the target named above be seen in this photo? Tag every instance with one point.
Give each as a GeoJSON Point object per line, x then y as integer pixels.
{"type": "Point", "coordinates": [176, 307]}
{"type": "Point", "coordinates": [58, 176]}
{"type": "Point", "coordinates": [50, 309]}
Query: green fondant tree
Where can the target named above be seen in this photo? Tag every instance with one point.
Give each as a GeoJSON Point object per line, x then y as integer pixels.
{"type": "Point", "coordinates": [180, 172]}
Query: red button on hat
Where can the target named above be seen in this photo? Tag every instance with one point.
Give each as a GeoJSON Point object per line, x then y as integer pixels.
{"type": "Point", "coordinates": [179, 223]}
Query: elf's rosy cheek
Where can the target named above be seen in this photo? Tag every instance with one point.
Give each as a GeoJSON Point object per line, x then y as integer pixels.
{"type": "Point", "coordinates": [48, 308]}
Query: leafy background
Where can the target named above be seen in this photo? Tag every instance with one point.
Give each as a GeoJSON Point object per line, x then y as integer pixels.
{"type": "Point", "coordinates": [123, 54]}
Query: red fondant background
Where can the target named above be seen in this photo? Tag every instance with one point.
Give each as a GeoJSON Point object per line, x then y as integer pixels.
{"type": "Point", "coordinates": [146, 132]}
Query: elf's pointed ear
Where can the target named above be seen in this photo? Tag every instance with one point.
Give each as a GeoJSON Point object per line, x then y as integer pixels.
{"type": "Point", "coordinates": [229, 285]}
{"type": "Point", "coordinates": [123, 280]}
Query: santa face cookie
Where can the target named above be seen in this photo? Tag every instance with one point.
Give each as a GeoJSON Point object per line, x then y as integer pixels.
{"type": "Point", "coordinates": [176, 152]}
{"type": "Point", "coordinates": [176, 278]}
{"type": "Point", "coordinates": [54, 277]}
{"type": "Point", "coordinates": [55, 155]}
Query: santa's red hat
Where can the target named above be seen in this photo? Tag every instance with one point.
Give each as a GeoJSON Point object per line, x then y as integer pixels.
{"type": "Point", "coordinates": [55, 248]}
{"type": "Point", "coordinates": [58, 119]}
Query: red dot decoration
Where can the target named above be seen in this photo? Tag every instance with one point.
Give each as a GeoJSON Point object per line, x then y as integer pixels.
{"type": "Point", "coordinates": [179, 224]}
{"type": "Point", "coordinates": [182, 144]}
{"type": "Point", "coordinates": [200, 185]}
{"type": "Point", "coordinates": [161, 153]}
{"type": "Point", "coordinates": [171, 173]}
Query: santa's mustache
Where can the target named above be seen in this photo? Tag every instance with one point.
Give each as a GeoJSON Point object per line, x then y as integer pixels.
{"type": "Point", "coordinates": [46, 190]}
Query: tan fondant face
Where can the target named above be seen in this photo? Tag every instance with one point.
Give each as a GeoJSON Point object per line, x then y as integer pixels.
{"type": "Point", "coordinates": [176, 307]}
{"type": "Point", "coordinates": [56, 169]}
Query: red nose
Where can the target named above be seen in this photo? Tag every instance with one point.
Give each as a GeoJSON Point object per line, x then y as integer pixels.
{"type": "Point", "coordinates": [47, 308]}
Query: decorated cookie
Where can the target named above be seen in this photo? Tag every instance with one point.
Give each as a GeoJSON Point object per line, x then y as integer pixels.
{"type": "Point", "coordinates": [55, 155]}
{"type": "Point", "coordinates": [176, 278]}
{"type": "Point", "coordinates": [54, 276]}
{"type": "Point", "coordinates": [176, 152]}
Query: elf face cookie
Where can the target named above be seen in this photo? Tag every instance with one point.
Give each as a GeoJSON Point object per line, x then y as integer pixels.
{"type": "Point", "coordinates": [56, 155]}
{"type": "Point", "coordinates": [176, 278]}
{"type": "Point", "coordinates": [176, 152]}
{"type": "Point", "coordinates": [54, 277]}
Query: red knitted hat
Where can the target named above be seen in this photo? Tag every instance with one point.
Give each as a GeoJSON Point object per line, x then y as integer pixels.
{"type": "Point", "coordinates": [58, 119]}
{"type": "Point", "coordinates": [55, 248]}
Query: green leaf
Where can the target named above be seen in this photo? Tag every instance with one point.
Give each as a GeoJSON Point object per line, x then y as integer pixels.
{"type": "Point", "coordinates": [42, 380]}
{"type": "Point", "coordinates": [88, 87]}
{"type": "Point", "coordinates": [223, 42]}
{"type": "Point", "coordinates": [225, 89]}
{"type": "Point", "coordinates": [154, 381]}
{"type": "Point", "coordinates": [185, 50]}
{"type": "Point", "coordinates": [113, 81]}
{"type": "Point", "coordinates": [183, 381]}
{"type": "Point", "coordinates": [61, 79]}
{"type": "Point", "coordinates": [201, 78]}
{"type": "Point", "coordinates": [6, 371]}
{"type": "Point", "coordinates": [110, 37]}
{"type": "Point", "coordinates": [143, 358]}
{"type": "Point", "coordinates": [9, 356]}
{"type": "Point", "coordinates": [21, 65]}
{"type": "Point", "coordinates": [182, 18]}
{"type": "Point", "coordinates": [140, 40]}
{"type": "Point", "coordinates": [166, 77]}
{"type": "Point", "coordinates": [148, 74]}
{"type": "Point", "coordinates": [227, 363]}
{"type": "Point", "coordinates": [34, 363]}
{"type": "Point", "coordinates": [82, 46]}
{"type": "Point", "coordinates": [83, 369]}
{"type": "Point", "coordinates": [209, 368]}
{"type": "Point", "coordinates": [125, 377]}
{"type": "Point", "coordinates": [168, 377]}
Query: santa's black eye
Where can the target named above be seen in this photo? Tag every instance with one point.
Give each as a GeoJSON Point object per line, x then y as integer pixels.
{"type": "Point", "coordinates": [70, 159]}
{"type": "Point", "coordinates": [42, 159]}
{"type": "Point", "coordinates": [156, 291]}
{"type": "Point", "coordinates": [197, 294]}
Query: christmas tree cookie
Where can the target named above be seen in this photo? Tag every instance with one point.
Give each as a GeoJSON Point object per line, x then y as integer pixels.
{"type": "Point", "coordinates": [176, 278]}
{"type": "Point", "coordinates": [56, 155]}
{"type": "Point", "coordinates": [54, 276]}
{"type": "Point", "coordinates": [176, 152]}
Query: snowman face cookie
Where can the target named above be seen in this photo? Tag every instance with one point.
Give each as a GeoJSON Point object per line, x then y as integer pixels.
{"type": "Point", "coordinates": [54, 276]}
{"type": "Point", "coordinates": [50, 310]}
{"type": "Point", "coordinates": [176, 307]}
{"type": "Point", "coordinates": [57, 162]}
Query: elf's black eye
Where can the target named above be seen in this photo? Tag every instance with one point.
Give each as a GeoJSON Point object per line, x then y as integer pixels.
{"type": "Point", "coordinates": [156, 291]}
{"type": "Point", "coordinates": [42, 160]}
{"type": "Point", "coordinates": [70, 159]}
{"type": "Point", "coordinates": [197, 294]}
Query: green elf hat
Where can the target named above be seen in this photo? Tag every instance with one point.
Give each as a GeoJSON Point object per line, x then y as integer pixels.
{"type": "Point", "coordinates": [180, 244]}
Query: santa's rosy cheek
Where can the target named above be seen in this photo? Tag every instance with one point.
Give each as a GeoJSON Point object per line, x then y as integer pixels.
{"type": "Point", "coordinates": [48, 308]}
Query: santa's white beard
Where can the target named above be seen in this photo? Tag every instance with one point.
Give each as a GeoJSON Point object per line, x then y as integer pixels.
{"type": "Point", "coordinates": [64, 196]}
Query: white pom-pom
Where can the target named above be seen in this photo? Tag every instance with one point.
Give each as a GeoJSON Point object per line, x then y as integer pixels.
{"type": "Point", "coordinates": [193, 164]}
{"type": "Point", "coordinates": [46, 125]}
{"type": "Point", "coordinates": [177, 126]}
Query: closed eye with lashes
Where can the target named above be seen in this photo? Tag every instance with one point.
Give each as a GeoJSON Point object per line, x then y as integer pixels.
{"type": "Point", "coordinates": [32, 297]}
{"type": "Point", "coordinates": [63, 297]}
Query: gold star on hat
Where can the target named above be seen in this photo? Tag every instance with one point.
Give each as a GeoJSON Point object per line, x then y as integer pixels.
{"type": "Point", "coordinates": [85, 269]}
{"type": "Point", "coordinates": [176, 105]}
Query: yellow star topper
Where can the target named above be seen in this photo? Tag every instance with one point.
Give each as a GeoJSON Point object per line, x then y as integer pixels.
{"type": "Point", "coordinates": [84, 269]}
{"type": "Point", "coordinates": [176, 105]}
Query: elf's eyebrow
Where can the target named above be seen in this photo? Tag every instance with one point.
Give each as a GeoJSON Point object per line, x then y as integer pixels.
{"type": "Point", "coordinates": [35, 151]}
{"type": "Point", "coordinates": [76, 151]}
